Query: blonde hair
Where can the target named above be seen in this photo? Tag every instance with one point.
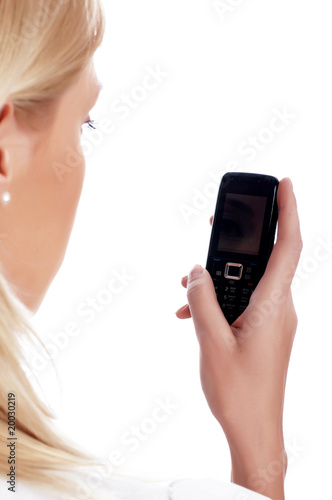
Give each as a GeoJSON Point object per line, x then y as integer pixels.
{"type": "Point", "coordinates": [44, 45]}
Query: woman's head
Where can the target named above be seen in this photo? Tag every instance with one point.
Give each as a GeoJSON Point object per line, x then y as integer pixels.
{"type": "Point", "coordinates": [47, 87]}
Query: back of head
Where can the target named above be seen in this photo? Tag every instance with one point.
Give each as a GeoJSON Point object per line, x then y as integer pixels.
{"type": "Point", "coordinates": [44, 44]}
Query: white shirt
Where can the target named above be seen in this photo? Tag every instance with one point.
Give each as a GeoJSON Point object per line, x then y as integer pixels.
{"type": "Point", "coordinates": [131, 489]}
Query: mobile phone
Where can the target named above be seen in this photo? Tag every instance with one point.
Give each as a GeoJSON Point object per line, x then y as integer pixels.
{"type": "Point", "coordinates": [242, 238]}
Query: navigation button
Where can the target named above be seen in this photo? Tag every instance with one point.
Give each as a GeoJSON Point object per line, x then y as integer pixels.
{"type": "Point", "coordinates": [233, 271]}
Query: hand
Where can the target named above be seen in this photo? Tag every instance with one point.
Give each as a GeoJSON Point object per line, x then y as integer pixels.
{"type": "Point", "coordinates": [243, 367]}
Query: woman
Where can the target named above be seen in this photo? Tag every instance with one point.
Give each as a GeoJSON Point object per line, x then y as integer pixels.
{"type": "Point", "coordinates": [47, 87]}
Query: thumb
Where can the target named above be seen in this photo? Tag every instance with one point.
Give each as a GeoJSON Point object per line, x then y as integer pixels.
{"type": "Point", "coordinates": [209, 320]}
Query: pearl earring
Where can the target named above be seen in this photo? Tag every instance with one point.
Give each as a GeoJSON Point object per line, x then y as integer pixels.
{"type": "Point", "coordinates": [5, 198]}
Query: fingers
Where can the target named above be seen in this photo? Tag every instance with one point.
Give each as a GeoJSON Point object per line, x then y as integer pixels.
{"type": "Point", "coordinates": [287, 250]}
{"type": "Point", "coordinates": [184, 281]}
{"type": "Point", "coordinates": [210, 324]}
{"type": "Point", "coordinates": [183, 312]}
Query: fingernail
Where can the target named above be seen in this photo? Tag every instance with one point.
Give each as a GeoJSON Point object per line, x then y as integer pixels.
{"type": "Point", "coordinates": [196, 271]}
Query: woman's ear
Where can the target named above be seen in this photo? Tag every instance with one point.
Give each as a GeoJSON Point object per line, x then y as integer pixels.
{"type": "Point", "coordinates": [4, 167]}
{"type": "Point", "coordinates": [6, 112]}
{"type": "Point", "coordinates": [6, 117]}
{"type": "Point", "coordinates": [17, 142]}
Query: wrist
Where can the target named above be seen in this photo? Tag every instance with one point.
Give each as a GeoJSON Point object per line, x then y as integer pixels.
{"type": "Point", "coordinates": [260, 464]}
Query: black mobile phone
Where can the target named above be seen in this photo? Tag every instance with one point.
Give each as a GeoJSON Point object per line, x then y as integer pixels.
{"type": "Point", "coordinates": [242, 238]}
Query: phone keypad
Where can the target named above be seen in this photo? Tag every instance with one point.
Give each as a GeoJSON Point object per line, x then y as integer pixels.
{"type": "Point", "coordinates": [234, 295]}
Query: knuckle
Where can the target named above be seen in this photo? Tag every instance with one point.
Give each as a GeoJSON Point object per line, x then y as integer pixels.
{"type": "Point", "coordinates": [195, 291]}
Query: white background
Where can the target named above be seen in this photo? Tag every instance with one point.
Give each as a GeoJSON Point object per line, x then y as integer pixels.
{"type": "Point", "coordinates": [223, 78]}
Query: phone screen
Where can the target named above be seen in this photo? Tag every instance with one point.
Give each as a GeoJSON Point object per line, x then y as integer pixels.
{"type": "Point", "coordinates": [242, 223]}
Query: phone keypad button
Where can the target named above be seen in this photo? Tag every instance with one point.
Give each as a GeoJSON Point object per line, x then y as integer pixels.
{"type": "Point", "coordinates": [229, 307]}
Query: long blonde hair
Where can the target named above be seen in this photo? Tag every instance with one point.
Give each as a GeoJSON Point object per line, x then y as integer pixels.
{"type": "Point", "coordinates": [44, 44]}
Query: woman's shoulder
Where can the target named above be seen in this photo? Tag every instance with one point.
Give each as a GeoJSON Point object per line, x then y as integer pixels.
{"type": "Point", "coordinates": [206, 488]}
{"type": "Point", "coordinates": [123, 488]}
